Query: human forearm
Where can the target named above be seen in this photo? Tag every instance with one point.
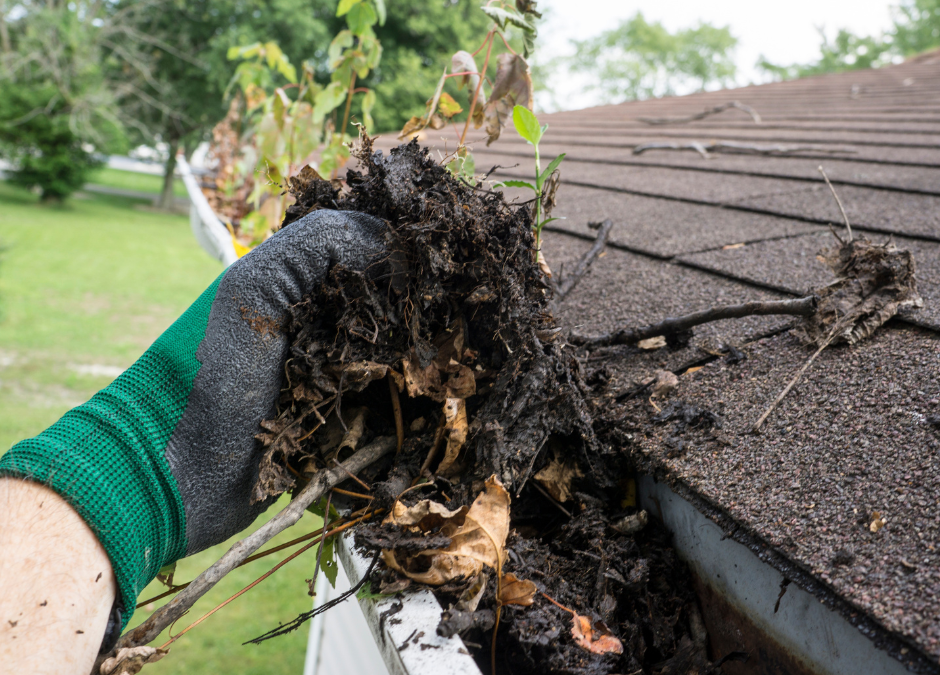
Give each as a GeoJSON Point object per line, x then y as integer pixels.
{"type": "Point", "coordinates": [56, 583]}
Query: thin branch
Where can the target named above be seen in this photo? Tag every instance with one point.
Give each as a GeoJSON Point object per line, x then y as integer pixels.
{"type": "Point", "coordinates": [734, 147]}
{"type": "Point", "coordinates": [839, 202]}
{"type": "Point", "coordinates": [702, 115]}
{"type": "Point", "coordinates": [566, 285]}
{"type": "Point", "coordinates": [630, 336]}
{"type": "Point", "coordinates": [326, 527]}
{"type": "Point", "coordinates": [793, 381]}
{"type": "Point", "coordinates": [316, 488]}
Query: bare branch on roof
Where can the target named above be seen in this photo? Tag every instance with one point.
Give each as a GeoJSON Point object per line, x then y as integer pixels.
{"type": "Point", "coordinates": [570, 280]}
{"type": "Point", "coordinates": [702, 115]}
{"type": "Point", "coordinates": [738, 148]}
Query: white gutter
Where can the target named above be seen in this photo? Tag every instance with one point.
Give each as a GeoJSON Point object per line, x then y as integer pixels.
{"type": "Point", "coordinates": [209, 231]}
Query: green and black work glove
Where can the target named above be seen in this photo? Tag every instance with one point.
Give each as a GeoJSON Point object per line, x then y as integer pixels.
{"type": "Point", "coordinates": [161, 463]}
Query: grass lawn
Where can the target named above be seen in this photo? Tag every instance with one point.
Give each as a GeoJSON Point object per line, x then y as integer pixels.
{"type": "Point", "coordinates": [131, 180]}
{"type": "Point", "coordinates": [84, 289]}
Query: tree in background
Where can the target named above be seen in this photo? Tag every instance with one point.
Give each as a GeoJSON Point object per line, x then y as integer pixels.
{"type": "Point", "coordinates": [638, 59]}
{"type": "Point", "coordinates": [916, 29]}
{"type": "Point", "coordinates": [57, 106]}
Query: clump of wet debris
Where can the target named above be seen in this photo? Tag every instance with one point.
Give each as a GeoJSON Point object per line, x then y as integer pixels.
{"type": "Point", "coordinates": [500, 498]}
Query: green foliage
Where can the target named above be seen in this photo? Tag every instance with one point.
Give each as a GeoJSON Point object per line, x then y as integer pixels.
{"type": "Point", "coordinates": [57, 107]}
{"type": "Point", "coordinates": [846, 52]}
{"type": "Point", "coordinates": [366, 593]}
{"type": "Point", "coordinates": [916, 27]}
{"type": "Point", "coordinates": [638, 59]}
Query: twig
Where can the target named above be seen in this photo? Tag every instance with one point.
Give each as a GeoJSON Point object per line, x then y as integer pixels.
{"type": "Point", "coordinates": [629, 336]}
{"type": "Point", "coordinates": [554, 501]}
{"type": "Point", "coordinates": [794, 380]}
{"type": "Point", "coordinates": [396, 408]}
{"type": "Point", "coordinates": [322, 481]}
{"type": "Point", "coordinates": [352, 475]}
{"type": "Point", "coordinates": [300, 620]}
{"type": "Point", "coordinates": [571, 280]}
{"type": "Point", "coordinates": [702, 115]}
{"type": "Point", "coordinates": [839, 202]}
{"type": "Point", "coordinates": [357, 495]}
{"type": "Point", "coordinates": [732, 146]}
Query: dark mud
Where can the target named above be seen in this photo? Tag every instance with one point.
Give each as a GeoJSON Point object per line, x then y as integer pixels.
{"type": "Point", "coordinates": [457, 318]}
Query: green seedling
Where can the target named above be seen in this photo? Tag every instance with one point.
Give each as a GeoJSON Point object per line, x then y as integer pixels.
{"type": "Point", "coordinates": [527, 125]}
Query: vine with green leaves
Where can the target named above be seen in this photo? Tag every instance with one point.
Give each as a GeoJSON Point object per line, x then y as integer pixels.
{"type": "Point", "coordinates": [295, 123]}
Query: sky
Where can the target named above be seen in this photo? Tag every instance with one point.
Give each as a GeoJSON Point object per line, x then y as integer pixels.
{"type": "Point", "coordinates": [783, 31]}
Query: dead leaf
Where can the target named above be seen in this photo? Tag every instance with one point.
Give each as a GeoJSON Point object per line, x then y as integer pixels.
{"type": "Point", "coordinates": [437, 122]}
{"type": "Point", "coordinates": [877, 521]}
{"type": "Point", "coordinates": [463, 62]}
{"type": "Point", "coordinates": [359, 374]}
{"type": "Point", "coordinates": [657, 342]}
{"type": "Point", "coordinates": [470, 598]}
{"type": "Point", "coordinates": [513, 86]}
{"type": "Point", "coordinates": [426, 515]}
{"type": "Point", "coordinates": [665, 383]}
{"type": "Point", "coordinates": [513, 591]}
{"type": "Point", "coordinates": [693, 369]}
{"type": "Point", "coordinates": [448, 107]}
{"type": "Point", "coordinates": [354, 429]}
{"type": "Point", "coordinates": [455, 430]}
{"type": "Point", "coordinates": [873, 282]}
{"type": "Point", "coordinates": [478, 539]}
{"type": "Point", "coordinates": [557, 476]}
{"type": "Point", "coordinates": [730, 247]}
{"type": "Point", "coordinates": [596, 639]}
{"type": "Point", "coordinates": [413, 125]}
{"type": "Point", "coordinates": [543, 264]}
{"type": "Point", "coordinates": [444, 377]}
{"type": "Point", "coordinates": [129, 661]}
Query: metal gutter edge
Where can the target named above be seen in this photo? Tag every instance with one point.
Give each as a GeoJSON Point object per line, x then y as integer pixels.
{"type": "Point", "coordinates": [812, 637]}
{"type": "Point", "coordinates": [407, 638]}
{"type": "Point", "coordinates": [211, 234]}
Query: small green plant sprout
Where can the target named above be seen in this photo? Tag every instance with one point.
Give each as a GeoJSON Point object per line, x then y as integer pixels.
{"type": "Point", "coordinates": [546, 182]}
{"type": "Point", "coordinates": [490, 97]}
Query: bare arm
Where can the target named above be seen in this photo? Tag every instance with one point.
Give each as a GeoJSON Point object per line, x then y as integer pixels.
{"type": "Point", "coordinates": [56, 583]}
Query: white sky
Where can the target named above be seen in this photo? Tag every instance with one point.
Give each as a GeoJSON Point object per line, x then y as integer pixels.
{"type": "Point", "coordinates": [784, 31]}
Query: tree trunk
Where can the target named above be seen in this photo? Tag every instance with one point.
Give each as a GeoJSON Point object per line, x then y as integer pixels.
{"type": "Point", "coordinates": [167, 199]}
{"type": "Point", "coordinates": [5, 46]}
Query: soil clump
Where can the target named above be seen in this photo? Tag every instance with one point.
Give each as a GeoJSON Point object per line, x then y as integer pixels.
{"type": "Point", "coordinates": [502, 498]}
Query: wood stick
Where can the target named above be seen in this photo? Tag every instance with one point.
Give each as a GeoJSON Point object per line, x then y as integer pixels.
{"type": "Point", "coordinates": [839, 202]}
{"type": "Point", "coordinates": [702, 115]}
{"type": "Point", "coordinates": [571, 280]}
{"type": "Point", "coordinates": [316, 488]}
{"type": "Point", "coordinates": [629, 336]}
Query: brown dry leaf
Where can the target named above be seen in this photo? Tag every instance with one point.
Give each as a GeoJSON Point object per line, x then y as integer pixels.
{"type": "Point", "coordinates": [693, 369]}
{"type": "Point", "coordinates": [437, 122]}
{"type": "Point", "coordinates": [557, 476]}
{"type": "Point", "coordinates": [478, 539]}
{"type": "Point", "coordinates": [463, 62]}
{"type": "Point", "coordinates": [470, 599]}
{"type": "Point", "coordinates": [129, 661]}
{"type": "Point", "coordinates": [877, 521]}
{"type": "Point", "coordinates": [426, 515]}
{"type": "Point", "coordinates": [657, 342]}
{"type": "Point", "coordinates": [413, 125]}
{"type": "Point", "coordinates": [432, 380]}
{"type": "Point", "coordinates": [543, 265]}
{"type": "Point", "coordinates": [359, 374]}
{"type": "Point", "coordinates": [513, 591]}
{"type": "Point", "coordinates": [873, 282]}
{"type": "Point", "coordinates": [665, 383]}
{"type": "Point", "coordinates": [596, 639]}
{"type": "Point", "coordinates": [513, 86]}
{"type": "Point", "coordinates": [455, 430]}
{"type": "Point", "coordinates": [354, 429]}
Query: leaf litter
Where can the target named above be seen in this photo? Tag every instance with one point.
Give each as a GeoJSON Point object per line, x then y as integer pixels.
{"type": "Point", "coordinates": [501, 499]}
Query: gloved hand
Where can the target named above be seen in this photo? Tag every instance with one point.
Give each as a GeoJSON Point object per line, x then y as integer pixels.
{"type": "Point", "coordinates": [161, 463]}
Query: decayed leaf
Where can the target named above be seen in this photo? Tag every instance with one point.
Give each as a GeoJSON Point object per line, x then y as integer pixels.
{"type": "Point", "coordinates": [478, 538]}
{"type": "Point", "coordinates": [413, 125]}
{"type": "Point", "coordinates": [513, 591]}
{"type": "Point", "coordinates": [657, 342]}
{"type": "Point", "coordinates": [354, 430]}
{"type": "Point", "coordinates": [596, 639]}
{"type": "Point", "coordinates": [455, 430]}
{"type": "Point", "coordinates": [873, 283]}
{"type": "Point", "coordinates": [557, 476]}
{"type": "Point", "coordinates": [664, 383]}
{"type": "Point", "coordinates": [448, 107]}
{"type": "Point", "coordinates": [463, 62]}
{"type": "Point", "coordinates": [877, 521]}
{"type": "Point", "coordinates": [513, 86]}
{"type": "Point", "coordinates": [426, 515]}
{"type": "Point", "coordinates": [470, 598]}
{"type": "Point", "coordinates": [129, 661]}
{"type": "Point", "coordinates": [358, 375]}
{"type": "Point", "coordinates": [444, 377]}
{"type": "Point", "coordinates": [543, 264]}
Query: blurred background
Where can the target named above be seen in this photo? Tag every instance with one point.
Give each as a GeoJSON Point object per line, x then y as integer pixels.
{"type": "Point", "coordinates": [99, 98]}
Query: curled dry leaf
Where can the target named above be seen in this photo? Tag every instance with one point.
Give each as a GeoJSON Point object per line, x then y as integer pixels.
{"type": "Point", "coordinates": [129, 661]}
{"type": "Point", "coordinates": [657, 342]}
{"type": "Point", "coordinates": [596, 639]}
{"type": "Point", "coordinates": [556, 478]}
{"type": "Point", "coordinates": [455, 430]}
{"type": "Point", "coordinates": [513, 591]}
{"type": "Point", "coordinates": [463, 62]}
{"type": "Point", "coordinates": [478, 537]}
{"type": "Point", "coordinates": [513, 86]}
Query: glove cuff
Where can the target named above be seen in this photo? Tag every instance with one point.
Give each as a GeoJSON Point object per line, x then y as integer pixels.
{"type": "Point", "coordinates": [106, 457]}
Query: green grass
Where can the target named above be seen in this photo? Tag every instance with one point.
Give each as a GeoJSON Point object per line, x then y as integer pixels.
{"type": "Point", "coordinates": [94, 283]}
{"type": "Point", "coordinates": [130, 180]}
